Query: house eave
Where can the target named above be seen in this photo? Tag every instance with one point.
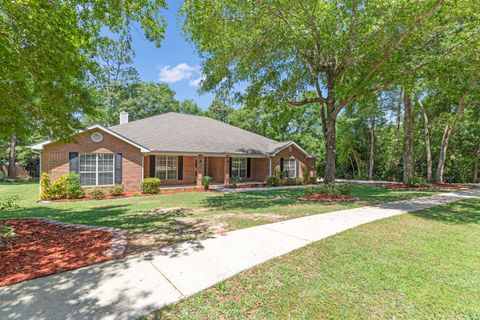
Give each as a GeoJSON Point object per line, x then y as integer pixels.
{"type": "Point", "coordinates": [39, 146]}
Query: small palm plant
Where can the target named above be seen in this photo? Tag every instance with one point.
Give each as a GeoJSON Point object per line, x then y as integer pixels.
{"type": "Point", "coordinates": [206, 180]}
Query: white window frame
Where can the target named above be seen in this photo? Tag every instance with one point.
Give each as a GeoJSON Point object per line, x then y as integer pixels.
{"type": "Point", "coordinates": [290, 161]}
{"type": "Point", "coordinates": [96, 169]}
{"type": "Point", "coordinates": [237, 164]}
{"type": "Point", "coordinates": [166, 170]}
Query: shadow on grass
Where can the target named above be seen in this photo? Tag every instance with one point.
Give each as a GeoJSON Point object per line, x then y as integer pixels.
{"type": "Point", "coordinates": [177, 227]}
{"type": "Point", "coordinates": [465, 212]}
{"type": "Point", "coordinates": [254, 199]}
{"type": "Point", "coordinates": [283, 197]}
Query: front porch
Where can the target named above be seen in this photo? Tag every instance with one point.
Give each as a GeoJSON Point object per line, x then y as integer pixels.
{"type": "Point", "coordinates": [184, 171]}
{"type": "Point", "coordinates": [215, 186]}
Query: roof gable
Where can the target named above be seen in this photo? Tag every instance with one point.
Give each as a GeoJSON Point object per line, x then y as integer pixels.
{"type": "Point", "coordinates": [40, 145]}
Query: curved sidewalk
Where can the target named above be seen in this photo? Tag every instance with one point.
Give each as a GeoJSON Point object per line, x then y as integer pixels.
{"type": "Point", "coordinates": [133, 286]}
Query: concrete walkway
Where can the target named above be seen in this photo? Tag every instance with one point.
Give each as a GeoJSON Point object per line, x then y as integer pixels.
{"type": "Point", "coordinates": [130, 287]}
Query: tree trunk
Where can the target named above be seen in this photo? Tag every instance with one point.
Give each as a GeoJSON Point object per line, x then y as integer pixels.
{"type": "Point", "coordinates": [398, 120]}
{"type": "Point", "coordinates": [443, 153]}
{"type": "Point", "coordinates": [428, 148]}
{"type": "Point", "coordinates": [330, 157]}
{"type": "Point", "coordinates": [446, 136]}
{"type": "Point", "coordinates": [475, 171]}
{"type": "Point", "coordinates": [372, 149]}
{"type": "Point", "coordinates": [408, 140]}
{"type": "Point", "coordinates": [12, 174]}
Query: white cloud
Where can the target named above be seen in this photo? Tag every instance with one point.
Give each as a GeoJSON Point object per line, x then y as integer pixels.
{"type": "Point", "coordinates": [181, 71]}
{"type": "Point", "coordinates": [196, 82]}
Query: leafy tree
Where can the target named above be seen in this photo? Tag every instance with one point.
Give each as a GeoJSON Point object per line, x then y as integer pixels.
{"type": "Point", "coordinates": [326, 53]}
{"type": "Point", "coordinates": [190, 107]}
{"type": "Point", "coordinates": [142, 100]}
{"type": "Point", "coordinates": [48, 51]}
{"type": "Point", "coordinates": [219, 109]}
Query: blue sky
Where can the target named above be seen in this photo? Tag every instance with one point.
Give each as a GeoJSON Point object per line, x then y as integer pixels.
{"type": "Point", "coordinates": [175, 62]}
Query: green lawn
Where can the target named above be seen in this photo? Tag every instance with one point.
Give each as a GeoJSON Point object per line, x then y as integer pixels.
{"type": "Point", "coordinates": [423, 265]}
{"type": "Point", "coordinates": [170, 218]}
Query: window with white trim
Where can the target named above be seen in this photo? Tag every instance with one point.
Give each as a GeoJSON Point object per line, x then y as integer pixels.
{"type": "Point", "coordinates": [96, 169]}
{"type": "Point", "coordinates": [166, 167]}
{"type": "Point", "coordinates": [289, 168]}
{"type": "Point", "coordinates": [239, 167]}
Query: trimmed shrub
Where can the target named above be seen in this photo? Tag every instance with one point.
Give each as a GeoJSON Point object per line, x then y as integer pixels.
{"type": "Point", "coordinates": [273, 181]}
{"type": "Point", "coordinates": [73, 189]}
{"type": "Point", "coordinates": [312, 180]}
{"type": "Point", "coordinates": [309, 191]}
{"type": "Point", "coordinates": [332, 189]}
{"type": "Point", "coordinates": [97, 193]}
{"type": "Point", "coordinates": [46, 186]}
{"type": "Point", "coordinates": [305, 177]}
{"type": "Point", "coordinates": [292, 181]}
{"type": "Point", "coordinates": [2, 175]}
{"type": "Point", "coordinates": [59, 188]}
{"type": "Point", "coordinates": [67, 186]}
{"type": "Point", "coordinates": [117, 190]}
{"type": "Point", "coordinates": [151, 185]}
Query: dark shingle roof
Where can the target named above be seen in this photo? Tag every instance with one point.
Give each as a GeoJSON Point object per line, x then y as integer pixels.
{"type": "Point", "coordinates": [176, 132]}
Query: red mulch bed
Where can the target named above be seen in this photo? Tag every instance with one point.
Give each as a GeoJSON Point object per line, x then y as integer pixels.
{"type": "Point", "coordinates": [329, 198]}
{"type": "Point", "coordinates": [41, 248]}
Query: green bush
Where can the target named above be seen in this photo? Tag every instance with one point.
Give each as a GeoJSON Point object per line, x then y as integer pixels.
{"type": "Point", "coordinates": [67, 186]}
{"type": "Point", "coordinates": [273, 181]}
{"type": "Point", "coordinates": [97, 193]}
{"type": "Point", "coordinates": [312, 180]}
{"type": "Point", "coordinates": [309, 190]}
{"type": "Point", "coordinates": [292, 181]}
{"type": "Point", "coordinates": [46, 186]}
{"type": "Point", "coordinates": [344, 189]}
{"type": "Point", "coordinates": [306, 177]}
{"type": "Point", "coordinates": [59, 188]}
{"type": "Point", "coordinates": [332, 189]}
{"type": "Point", "coordinates": [73, 189]}
{"type": "Point", "coordinates": [235, 180]}
{"type": "Point", "coordinates": [117, 190]}
{"type": "Point", "coordinates": [2, 175]}
{"type": "Point", "coordinates": [151, 185]}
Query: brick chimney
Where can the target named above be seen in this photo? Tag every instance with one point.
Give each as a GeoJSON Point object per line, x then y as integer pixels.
{"type": "Point", "coordinates": [123, 117]}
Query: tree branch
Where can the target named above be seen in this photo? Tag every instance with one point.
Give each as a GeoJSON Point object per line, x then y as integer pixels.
{"type": "Point", "coordinates": [390, 51]}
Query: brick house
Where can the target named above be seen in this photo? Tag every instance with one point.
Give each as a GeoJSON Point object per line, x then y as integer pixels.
{"type": "Point", "coordinates": [177, 148]}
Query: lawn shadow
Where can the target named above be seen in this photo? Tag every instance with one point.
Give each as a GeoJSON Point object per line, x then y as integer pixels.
{"type": "Point", "coordinates": [254, 199]}
{"type": "Point", "coordinates": [465, 212]}
{"type": "Point", "coordinates": [177, 226]}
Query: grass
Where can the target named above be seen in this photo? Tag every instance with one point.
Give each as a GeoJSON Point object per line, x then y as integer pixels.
{"type": "Point", "coordinates": [171, 218]}
{"type": "Point", "coordinates": [424, 265]}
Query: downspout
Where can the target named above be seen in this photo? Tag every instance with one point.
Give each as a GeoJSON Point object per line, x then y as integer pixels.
{"type": "Point", "coordinates": [143, 167]}
{"type": "Point", "coordinates": [40, 174]}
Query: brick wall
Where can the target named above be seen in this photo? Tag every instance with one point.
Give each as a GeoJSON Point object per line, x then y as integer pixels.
{"type": "Point", "coordinates": [188, 171]}
{"type": "Point", "coordinates": [54, 156]}
{"type": "Point", "coordinates": [305, 163]}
